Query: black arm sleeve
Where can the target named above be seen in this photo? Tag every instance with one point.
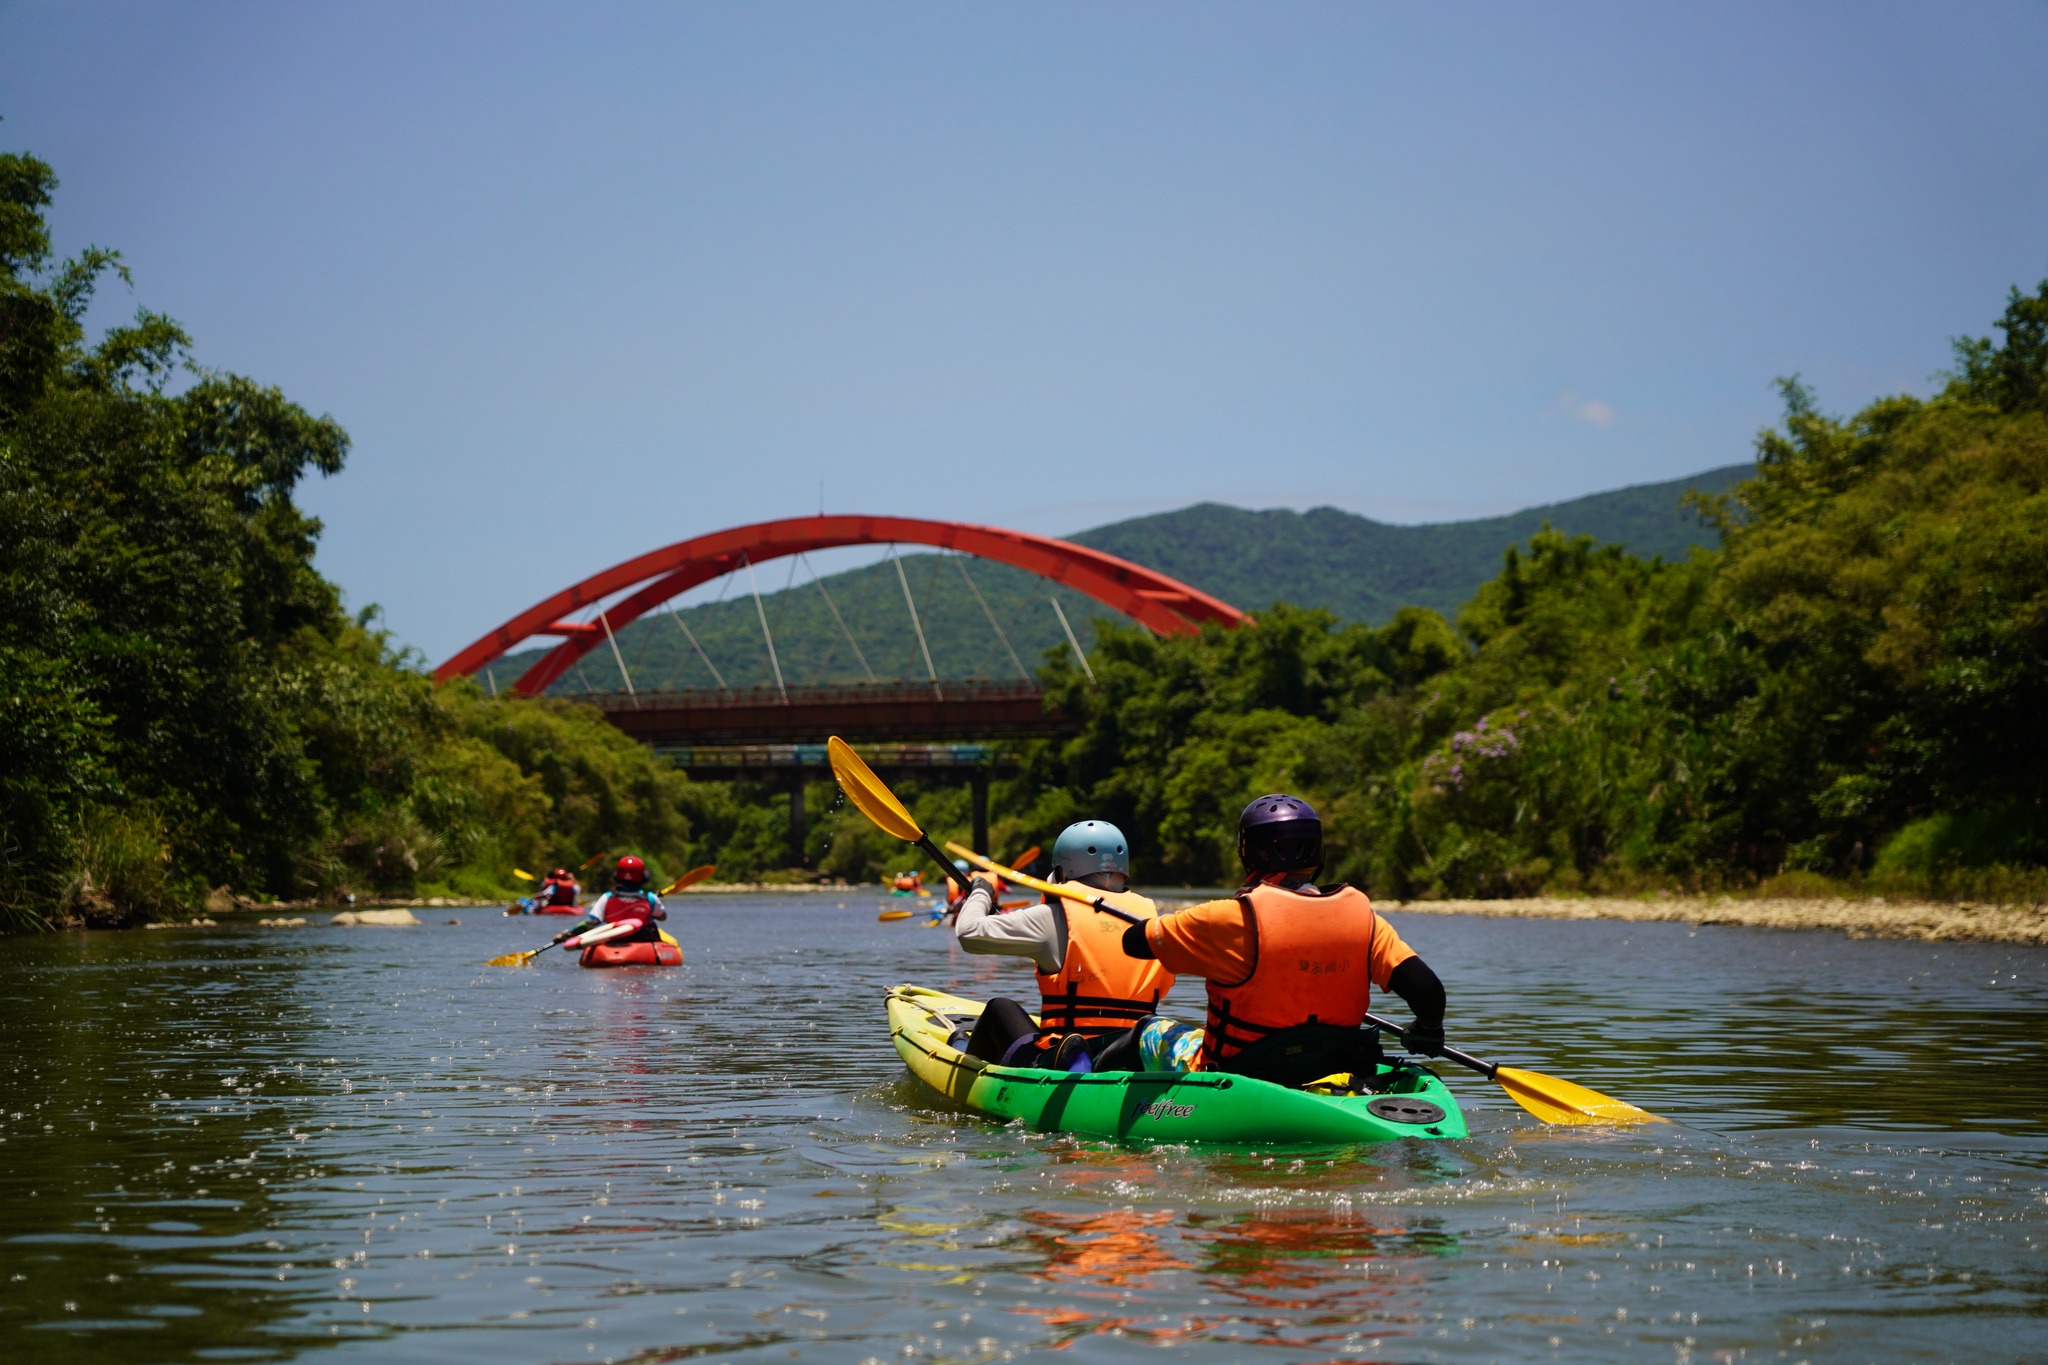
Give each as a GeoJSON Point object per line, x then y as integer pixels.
{"type": "Point", "coordinates": [1415, 983]}
{"type": "Point", "coordinates": [1136, 946]}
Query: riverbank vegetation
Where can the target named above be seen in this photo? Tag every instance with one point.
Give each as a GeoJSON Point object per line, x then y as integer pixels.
{"type": "Point", "coordinates": [1851, 693]}
{"type": "Point", "coordinates": [185, 705]}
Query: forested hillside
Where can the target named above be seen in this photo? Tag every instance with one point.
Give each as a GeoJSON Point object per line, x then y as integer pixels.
{"type": "Point", "coordinates": [1358, 568]}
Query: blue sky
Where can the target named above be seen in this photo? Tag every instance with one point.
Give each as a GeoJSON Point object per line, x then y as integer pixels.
{"type": "Point", "coordinates": [582, 280]}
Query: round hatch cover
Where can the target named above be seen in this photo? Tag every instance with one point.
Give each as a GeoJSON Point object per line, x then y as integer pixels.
{"type": "Point", "coordinates": [1403, 1109]}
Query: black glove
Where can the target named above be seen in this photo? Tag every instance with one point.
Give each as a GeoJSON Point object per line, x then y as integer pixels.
{"type": "Point", "coordinates": [1424, 1040]}
{"type": "Point", "coordinates": [984, 886]}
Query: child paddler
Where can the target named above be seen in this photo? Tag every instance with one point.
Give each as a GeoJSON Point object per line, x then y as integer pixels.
{"type": "Point", "coordinates": [1091, 994]}
{"type": "Point", "coordinates": [1290, 965]}
{"type": "Point", "coordinates": [628, 900]}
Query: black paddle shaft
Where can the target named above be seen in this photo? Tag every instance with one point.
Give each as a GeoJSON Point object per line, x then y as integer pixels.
{"type": "Point", "coordinates": [959, 878]}
{"type": "Point", "coordinates": [1484, 1068]}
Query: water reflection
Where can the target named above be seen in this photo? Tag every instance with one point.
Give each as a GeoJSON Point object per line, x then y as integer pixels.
{"type": "Point", "coordinates": [256, 1143]}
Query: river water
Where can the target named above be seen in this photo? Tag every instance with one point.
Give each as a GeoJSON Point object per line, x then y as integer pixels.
{"type": "Point", "coordinates": [255, 1143]}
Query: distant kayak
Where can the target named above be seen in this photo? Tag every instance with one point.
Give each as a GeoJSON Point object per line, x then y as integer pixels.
{"type": "Point", "coordinates": [929, 1027]}
{"type": "Point", "coordinates": [666, 953]}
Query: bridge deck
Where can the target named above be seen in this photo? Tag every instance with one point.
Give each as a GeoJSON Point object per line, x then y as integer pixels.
{"type": "Point", "coordinates": [806, 715]}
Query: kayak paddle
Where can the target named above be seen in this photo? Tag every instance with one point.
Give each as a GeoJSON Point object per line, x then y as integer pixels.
{"type": "Point", "coordinates": [1033, 884]}
{"type": "Point", "coordinates": [689, 879]}
{"type": "Point", "coordinates": [880, 805]}
{"type": "Point", "coordinates": [592, 861]}
{"type": "Point", "coordinates": [1547, 1097]}
{"type": "Point", "coordinates": [888, 915]}
{"type": "Point", "coordinates": [524, 875]}
{"type": "Point", "coordinates": [598, 935]}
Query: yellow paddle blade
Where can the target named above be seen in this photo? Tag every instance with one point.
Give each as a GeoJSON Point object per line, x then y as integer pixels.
{"type": "Point", "coordinates": [893, 914]}
{"type": "Point", "coordinates": [513, 959]}
{"type": "Point", "coordinates": [524, 875]}
{"type": "Point", "coordinates": [1556, 1101]}
{"type": "Point", "coordinates": [868, 794]}
{"type": "Point", "coordinates": [690, 878]}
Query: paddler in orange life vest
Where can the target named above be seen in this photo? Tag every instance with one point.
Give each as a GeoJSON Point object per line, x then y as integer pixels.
{"type": "Point", "coordinates": [629, 899]}
{"type": "Point", "coordinates": [1290, 965]}
{"type": "Point", "coordinates": [1091, 994]}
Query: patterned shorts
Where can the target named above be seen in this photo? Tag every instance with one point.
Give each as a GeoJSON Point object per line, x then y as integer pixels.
{"type": "Point", "coordinates": [1169, 1045]}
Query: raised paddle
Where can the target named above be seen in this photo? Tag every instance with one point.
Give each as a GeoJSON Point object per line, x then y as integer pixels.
{"type": "Point", "coordinates": [1033, 884]}
{"type": "Point", "coordinates": [1547, 1097]}
{"type": "Point", "coordinates": [598, 935]}
{"type": "Point", "coordinates": [874, 800]}
{"type": "Point", "coordinates": [524, 875]}
{"type": "Point", "coordinates": [592, 861]}
{"type": "Point", "coordinates": [689, 879]}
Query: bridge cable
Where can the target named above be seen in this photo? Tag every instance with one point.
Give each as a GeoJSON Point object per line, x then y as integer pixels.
{"type": "Point", "coordinates": [1079, 657]}
{"type": "Point", "coordinates": [834, 609]}
{"type": "Point", "coordinates": [782, 598]}
{"type": "Point", "coordinates": [915, 625]}
{"type": "Point", "coordinates": [684, 626]}
{"type": "Point", "coordinates": [762, 612]}
{"type": "Point", "coordinates": [995, 625]}
{"type": "Point", "coordinates": [725, 582]}
{"type": "Point", "coordinates": [605, 618]}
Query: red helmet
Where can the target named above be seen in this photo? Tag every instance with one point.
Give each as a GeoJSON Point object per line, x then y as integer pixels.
{"type": "Point", "coordinates": [560, 874]}
{"type": "Point", "coordinates": [630, 872]}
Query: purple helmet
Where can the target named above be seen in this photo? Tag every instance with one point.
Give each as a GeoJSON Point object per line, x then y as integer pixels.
{"type": "Point", "coordinates": [1279, 834]}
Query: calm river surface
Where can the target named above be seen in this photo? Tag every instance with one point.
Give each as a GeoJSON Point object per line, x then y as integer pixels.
{"type": "Point", "coordinates": [250, 1143]}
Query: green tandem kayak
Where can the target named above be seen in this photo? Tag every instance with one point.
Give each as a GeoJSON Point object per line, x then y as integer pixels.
{"type": "Point", "coordinates": [1160, 1106]}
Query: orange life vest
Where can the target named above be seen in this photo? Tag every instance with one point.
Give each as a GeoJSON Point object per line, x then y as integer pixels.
{"type": "Point", "coordinates": [1098, 987]}
{"type": "Point", "coordinates": [1311, 964]}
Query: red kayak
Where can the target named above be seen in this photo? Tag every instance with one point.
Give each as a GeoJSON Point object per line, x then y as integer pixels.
{"type": "Point", "coordinates": [632, 955]}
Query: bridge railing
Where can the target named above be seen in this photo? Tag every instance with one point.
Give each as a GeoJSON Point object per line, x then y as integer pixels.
{"type": "Point", "coordinates": [712, 698]}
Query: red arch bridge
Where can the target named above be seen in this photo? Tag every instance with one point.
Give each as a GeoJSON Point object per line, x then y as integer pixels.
{"type": "Point", "coordinates": [777, 733]}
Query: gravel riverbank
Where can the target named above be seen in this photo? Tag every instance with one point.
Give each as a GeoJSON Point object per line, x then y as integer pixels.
{"type": "Point", "coordinates": [1932, 921]}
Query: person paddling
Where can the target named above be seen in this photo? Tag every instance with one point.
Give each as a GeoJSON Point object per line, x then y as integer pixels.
{"type": "Point", "coordinates": [560, 889]}
{"type": "Point", "coordinates": [629, 899]}
{"type": "Point", "coordinates": [1091, 994]}
{"type": "Point", "coordinates": [1290, 965]}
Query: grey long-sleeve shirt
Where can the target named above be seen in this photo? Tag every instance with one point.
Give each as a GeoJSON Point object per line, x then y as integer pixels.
{"type": "Point", "coordinates": [1038, 932]}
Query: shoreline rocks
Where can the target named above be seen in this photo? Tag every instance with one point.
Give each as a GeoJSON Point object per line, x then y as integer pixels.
{"type": "Point", "coordinates": [389, 918]}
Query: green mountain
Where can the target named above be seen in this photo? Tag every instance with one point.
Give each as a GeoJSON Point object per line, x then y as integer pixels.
{"type": "Point", "coordinates": [1366, 570]}
{"type": "Point", "coordinates": [1361, 569]}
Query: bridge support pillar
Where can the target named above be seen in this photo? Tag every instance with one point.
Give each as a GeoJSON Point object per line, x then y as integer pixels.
{"type": "Point", "coordinates": [977, 787]}
{"type": "Point", "coordinates": [796, 823]}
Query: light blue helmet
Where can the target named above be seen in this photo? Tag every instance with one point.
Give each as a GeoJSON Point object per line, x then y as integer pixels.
{"type": "Point", "coordinates": [1089, 847]}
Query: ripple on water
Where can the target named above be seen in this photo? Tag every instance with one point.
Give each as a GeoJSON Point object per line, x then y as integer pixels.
{"type": "Point", "coordinates": [263, 1143]}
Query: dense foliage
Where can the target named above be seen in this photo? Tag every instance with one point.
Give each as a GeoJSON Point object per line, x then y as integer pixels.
{"type": "Point", "coordinates": [184, 704]}
{"type": "Point", "coordinates": [1855, 684]}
